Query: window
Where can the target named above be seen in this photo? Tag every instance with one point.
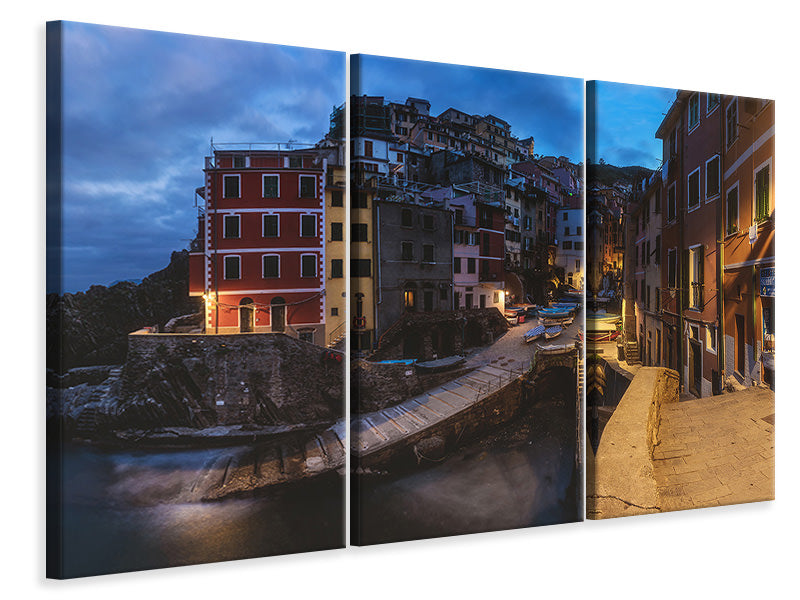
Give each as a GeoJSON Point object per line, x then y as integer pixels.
{"type": "Point", "coordinates": [458, 236]}
{"type": "Point", "coordinates": [693, 189]}
{"type": "Point", "coordinates": [712, 101]}
{"type": "Point", "coordinates": [565, 217]}
{"type": "Point", "coordinates": [399, 157]}
{"type": "Point", "coordinates": [578, 265]}
{"type": "Point", "coordinates": [231, 266]}
{"type": "Point", "coordinates": [427, 222]}
{"type": "Point", "coordinates": [360, 267]}
{"type": "Point", "coordinates": [732, 210]}
{"type": "Point", "coordinates": [470, 265]}
{"type": "Point", "coordinates": [657, 257]}
{"type": "Point", "coordinates": [427, 253]}
{"type": "Point", "coordinates": [231, 226]}
{"type": "Point", "coordinates": [566, 231]}
{"type": "Point", "coordinates": [334, 311]}
{"type": "Point", "coordinates": [337, 198]}
{"type": "Point", "coordinates": [578, 232]}
{"type": "Point", "coordinates": [762, 194]}
{"type": "Point", "coordinates": [308, 265]}
{"type": "Point", "coordinates": [358, 232]}
{"type": "Point", "coordinates": [712, 178]}
{"type": "Point", "coordinates": [230, 186]}
{"type": "Point", "coordinates": [295, 162]}
{"type": "Point", "coordinates": [308, 186]}
{"type": "Point", "coordinates": [406, 251]}
{"type": "Point", "coordinates": [694, 111]}
{"type": "Point", "coordinates": [409, 299]}
{"type": "Point", "coordinates": [657, 201]}
{"type": "Point", "coordinates": [406, 219]}
{"type": "Point", "coordinates": [457, 264]}
{"type": "Point", "coordinates": [731, 124]}
{"type": "Point", "coordinates": [648, 252]}
{"type": "Point", "coordinates": [358, 200]}
{"type": "Point", "coordinates": [671, 213]}
{"type": "Point", "coordinates": [337, 268]}
{"type": "Point", "coordinates": [696, 277]}
{"type": "Point", "coordinates": [578, 245]}
{"type": "Point", "coordinates": [566, 245]}
{"type": "Point", "coordinates": [711, 338]}
{"type": "Point", "coordinates": [238, 162]}
{"type": "Point", "coordinates": [337, 233]}
{"type": "Point", "coordinates": [308, 225]}
{"type": "Point", "coordinates": [271, 266]}
{"type": "Point", "coordinates": [270, 226]}
{"type": "Point", "coordinates": [368, 148]}
{"type": "Point", "coordinates": [672, 267]}
{"type": "Point", "coordinates": [271, 186]}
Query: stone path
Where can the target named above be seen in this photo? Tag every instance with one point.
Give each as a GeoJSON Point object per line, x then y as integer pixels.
{"type": "Point", "coordinates": [716, 451]}
{"type": "Point", "coordinates": [495, 366]}
{"type": "Point", "coordinates": [377, 430]}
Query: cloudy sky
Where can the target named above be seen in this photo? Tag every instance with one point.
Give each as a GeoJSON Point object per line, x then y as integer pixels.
{"type": "Point", "coordinates": [546, 107]}
{"type": "Point", "coordinates": [627, 119]}
{"type": "Point", "coordinates": [139, 111]}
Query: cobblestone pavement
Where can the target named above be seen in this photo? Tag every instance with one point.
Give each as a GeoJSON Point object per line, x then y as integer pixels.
{"type": "Point", "coordinates": [716, 451]}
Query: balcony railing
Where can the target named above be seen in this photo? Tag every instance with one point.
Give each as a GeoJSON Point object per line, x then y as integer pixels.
{"type": "Point", "coordinates": [696, 295]}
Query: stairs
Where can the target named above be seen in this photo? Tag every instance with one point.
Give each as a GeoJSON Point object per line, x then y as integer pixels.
{"type": "Point", "coordinates": [632, 353]}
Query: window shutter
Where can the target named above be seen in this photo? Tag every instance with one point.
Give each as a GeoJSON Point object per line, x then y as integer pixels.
{"type": "Point", "coordinates": [684, 270]}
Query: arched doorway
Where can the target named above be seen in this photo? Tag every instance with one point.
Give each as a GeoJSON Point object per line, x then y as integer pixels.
{"type": "Point", "coordinates": [278, 314]}
{"type": "Point", "coordinates": [247, 314]}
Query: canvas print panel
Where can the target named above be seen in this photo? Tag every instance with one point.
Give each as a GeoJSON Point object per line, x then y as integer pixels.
{"type": "Point", "coordinates": [195, 300]}
{"type": "Point", "coordinates": [467, 278]}
{"type": "Point", "coordinates": [681, 300]}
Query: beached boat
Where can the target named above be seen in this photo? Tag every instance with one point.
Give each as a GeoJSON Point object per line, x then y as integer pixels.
{"type": "Point", "coordinates": [534, 333]}
{"type": "Point", "coordinates": [565, 322]}
{"type": "Point", "coordinates": [552, 332]}
{"type": "Point", "coordinates": [554, 313]}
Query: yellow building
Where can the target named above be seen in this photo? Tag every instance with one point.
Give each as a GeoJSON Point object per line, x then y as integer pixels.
{"type": "Point", "coordinates": [362, 267]}
{"type": "Point", "coordinates": [335, 249]}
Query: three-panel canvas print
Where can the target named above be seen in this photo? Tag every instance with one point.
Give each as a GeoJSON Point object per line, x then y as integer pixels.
{"type": "Point", "coordinates": [478, 299]}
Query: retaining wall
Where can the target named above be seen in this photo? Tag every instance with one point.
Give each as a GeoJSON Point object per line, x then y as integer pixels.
{"type": "Point", "coordinates": [619, 481]}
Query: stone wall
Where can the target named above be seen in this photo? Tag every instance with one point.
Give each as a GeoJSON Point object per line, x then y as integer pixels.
{"type": "Point", "coordinates": [619, 481]}
{"type": "Point", "coordinates": [443, 333]}
{"type": "Point", "coordinates": [378, 385]}
{"type": "Point", "coordinates": [206, 380]}
{"type": "Point", "coordinates": [433, 442]}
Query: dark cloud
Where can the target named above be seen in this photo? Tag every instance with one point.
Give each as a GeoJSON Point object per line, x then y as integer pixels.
{"type": "Point", "coordinates": [139, 111]}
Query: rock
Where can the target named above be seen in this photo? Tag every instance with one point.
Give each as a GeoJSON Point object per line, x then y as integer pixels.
{"type": "Point", "coordinates": [92, 327]}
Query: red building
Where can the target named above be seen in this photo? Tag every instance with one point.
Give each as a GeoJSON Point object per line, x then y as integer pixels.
{"type": "Point", "coordinates": [259, 257]}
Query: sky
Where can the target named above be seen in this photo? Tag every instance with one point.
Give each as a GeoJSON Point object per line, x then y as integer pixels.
{"type": "Point", "coordinates": [547, 107]}
{"type": "Point", "coordinates": [627, 119]}
{"type": "Point", "coordinates": [139, 109]}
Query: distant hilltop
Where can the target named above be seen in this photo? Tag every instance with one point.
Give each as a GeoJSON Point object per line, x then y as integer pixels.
{"type": "Point", "coordinates": [606, 174]}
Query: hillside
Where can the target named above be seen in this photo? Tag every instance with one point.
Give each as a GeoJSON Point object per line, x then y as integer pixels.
{"type": "Point", "coordinates": [606, 174]}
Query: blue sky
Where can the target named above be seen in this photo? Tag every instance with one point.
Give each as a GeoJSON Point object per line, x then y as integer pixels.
{"type": "Point", "coordinates": [627, 119]}
{"type": "Point", "coordinates": [546, 107]}
{"type": "Point", "coordinates": [139, 110]}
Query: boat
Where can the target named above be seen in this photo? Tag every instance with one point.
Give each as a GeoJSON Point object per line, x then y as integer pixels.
{"type": "Point", "coordinates": [534, 333]}
{"type": "Point", "coordinates": [554, 313]}
{"type": "Point", "coordinates": [565, 322]}
{"type": "Point", "coordinates": [552, 332]}
{"type": "Point", "coordinates": [440, 364]}
{"type": "Point", "coordinates": [602, 326]}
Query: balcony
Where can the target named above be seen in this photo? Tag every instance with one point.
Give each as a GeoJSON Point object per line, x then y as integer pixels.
{"type": "Point", "coordinates": [696, 296]}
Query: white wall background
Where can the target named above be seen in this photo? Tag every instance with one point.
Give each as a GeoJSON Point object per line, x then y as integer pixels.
{"type": "Point", "coordinates": [733, 47]}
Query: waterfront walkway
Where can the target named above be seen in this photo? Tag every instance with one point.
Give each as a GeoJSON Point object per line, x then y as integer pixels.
{"type": "Point", "coordinates": [716, 451]}
{"type": "Point", "coordinates": [495, 366]}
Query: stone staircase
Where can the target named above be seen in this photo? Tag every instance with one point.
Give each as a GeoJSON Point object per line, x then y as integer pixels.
{"type": "Point", "coordinates": [244, 469]}
{"type": "Point", "coordinates": [632, 353]}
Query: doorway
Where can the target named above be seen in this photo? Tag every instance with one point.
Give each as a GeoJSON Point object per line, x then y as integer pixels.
{"type": "Point", "coordinates": [247, 314]}
{"type": "Point", "coordinates": [278, 314]}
